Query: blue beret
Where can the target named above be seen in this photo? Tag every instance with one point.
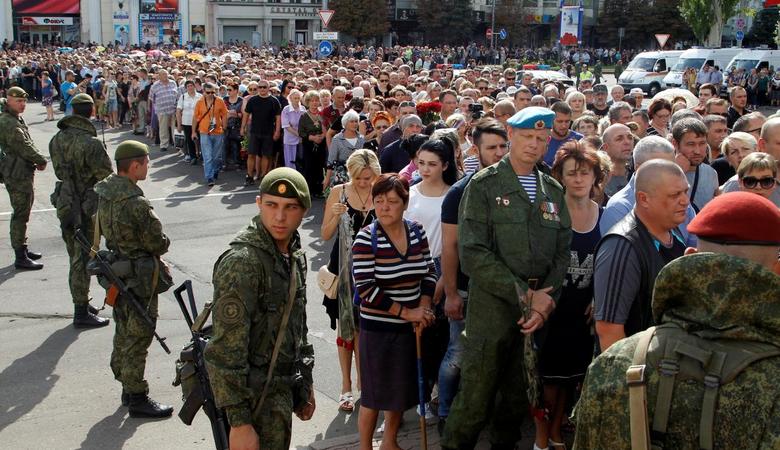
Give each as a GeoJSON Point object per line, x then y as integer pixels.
{"type": "Point", "coordinates": [532, 118]}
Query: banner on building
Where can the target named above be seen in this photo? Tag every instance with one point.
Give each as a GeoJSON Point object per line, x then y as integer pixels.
{"type": "Point", "coordinates": [38, 20]}
{"type": "Point", "coordinates": [159, 6]}
{"type": "Point", "coordinates": [571, 25]}
{"type": "Point", "coordinates": [198, 33]}
{"type": "Point", "coordinates": [160, 28]}
{"type": "Point", "coordinates": [46, 6]}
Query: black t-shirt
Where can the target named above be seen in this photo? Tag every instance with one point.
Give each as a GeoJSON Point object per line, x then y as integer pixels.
{"type": "Point", "coordinates": [724, 169]}
{"type": "Point", "coordinates": [449, 215]}
{"type": "Point", "coordinates": [264, 111]}
{"type": "Point", "coordinates": [598, 112]}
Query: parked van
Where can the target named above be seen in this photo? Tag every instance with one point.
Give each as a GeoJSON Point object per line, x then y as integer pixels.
{"type": "Point", "coordinates": [697, 58]}
{"type": "Point", "coordinates": [647, 70]}
{"type": "Point", "coordinates": [760, 58]}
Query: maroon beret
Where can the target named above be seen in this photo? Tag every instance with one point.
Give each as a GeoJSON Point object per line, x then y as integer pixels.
{"type": "Point", "coordinates": [738, 218]}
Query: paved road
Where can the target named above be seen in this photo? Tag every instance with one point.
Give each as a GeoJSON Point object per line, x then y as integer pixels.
{"type": "Point", "coordinates": [57, 389]}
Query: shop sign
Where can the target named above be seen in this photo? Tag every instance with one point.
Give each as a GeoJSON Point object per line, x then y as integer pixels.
{"type": "Point", "coordinates": [159, 17]}
{"type": "Point", "coordinates": [294, 10]}
{"type": "Point", "coordinates": [47, 20]}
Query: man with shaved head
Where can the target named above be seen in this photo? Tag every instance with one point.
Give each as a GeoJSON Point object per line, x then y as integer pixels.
{"type": "Point", "coordinates": [618, 143]}
{"type": "Point", "coordinates": [629, 257]}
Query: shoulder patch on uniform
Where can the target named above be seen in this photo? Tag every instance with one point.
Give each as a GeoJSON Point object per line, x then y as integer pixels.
{"type": "Point", "coordinates": [230, 310]}
{"type": "Point", "coordinates": [552, 181]}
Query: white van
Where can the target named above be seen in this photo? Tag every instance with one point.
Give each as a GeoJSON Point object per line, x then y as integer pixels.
{"type": "Point", "coordinates": [647, 70]}
{"type": "Point", "coordinates": [697, 58]}
{"type": "Point", "coordinates": [758, 59]}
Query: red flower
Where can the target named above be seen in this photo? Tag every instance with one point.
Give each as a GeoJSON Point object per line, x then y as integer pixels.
{"type": "Point", "coordinates": [428, 107]}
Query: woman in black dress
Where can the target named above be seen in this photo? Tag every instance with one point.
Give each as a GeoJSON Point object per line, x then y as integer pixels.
{"type": "Point", "coordinates": [315, 152]}
{"type": "Point", "coordinates": [568, 347]}
{"type": "Point", "coordinates": [353, 199]}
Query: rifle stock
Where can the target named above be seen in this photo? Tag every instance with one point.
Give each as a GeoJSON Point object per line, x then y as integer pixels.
{"type": "Point", "coordinates": [122, 287]}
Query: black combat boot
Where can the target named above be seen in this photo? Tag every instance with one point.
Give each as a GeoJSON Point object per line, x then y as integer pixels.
{"type": "Point", "coordinates": [24, 262]}
{"type": "Point", "coordinates": [31, 254]}
{"type": "Point", "coordinates": [143, 406]}
{"type": "Point", "coordinates": [82, 318]}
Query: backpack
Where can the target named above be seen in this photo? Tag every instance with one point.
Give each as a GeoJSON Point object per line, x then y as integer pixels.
{"type": "Point", "coordinates": [688, 367]}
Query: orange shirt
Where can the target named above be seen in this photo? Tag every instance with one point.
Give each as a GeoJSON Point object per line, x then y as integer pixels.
{"type": "Point", "coordinates": [202, 119]}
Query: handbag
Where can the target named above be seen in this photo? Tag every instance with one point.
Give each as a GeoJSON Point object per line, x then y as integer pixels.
{"type": "Point", "coordinates": [328, 282]}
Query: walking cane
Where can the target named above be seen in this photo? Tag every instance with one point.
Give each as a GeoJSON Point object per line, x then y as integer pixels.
{"type": "Point", "coordinates": [421, 386]}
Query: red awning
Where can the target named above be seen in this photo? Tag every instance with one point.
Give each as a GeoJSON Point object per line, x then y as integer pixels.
{"type": "Point", "coordinates": [46, 6]}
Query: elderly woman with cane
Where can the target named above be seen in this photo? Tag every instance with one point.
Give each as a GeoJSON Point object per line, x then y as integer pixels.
{"type": "Point", "coordinates": [395, 279]}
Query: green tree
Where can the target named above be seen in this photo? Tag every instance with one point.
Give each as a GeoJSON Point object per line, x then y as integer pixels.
{"type": "Point", "coordinates": [510, 15]}
{"type": "Point", "coordinates": [763, 29]}
{"type": "Point", "coordinates": [706, 18]}
{"type": "Point", "coordinates": [447, 21]}
{"type": "Point", "coordinates": [361, 19]}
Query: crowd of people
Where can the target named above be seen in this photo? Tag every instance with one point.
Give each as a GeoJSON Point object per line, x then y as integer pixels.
{"type": "Point", "coordinates": [495, 210]}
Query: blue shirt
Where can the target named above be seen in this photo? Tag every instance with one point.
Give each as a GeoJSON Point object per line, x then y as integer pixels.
{"type": "Point", "coordinates": [555, 144]}
{"type": "Point", "coordinates": [623, 202]}
{"type": "Point", "coordinates": [64, 88]}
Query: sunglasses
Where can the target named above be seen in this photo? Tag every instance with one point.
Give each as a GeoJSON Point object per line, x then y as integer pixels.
{"type": "Point", "coordinates": [262, 87]}
{"type": "Point", "coordinates": [383, 81]}
{"type": "Point", "coordinates": [407, 104]}
{"type": "Point", "coordinates": [765, 183]}
{"type": "Point", "coordinates": [208, 92]}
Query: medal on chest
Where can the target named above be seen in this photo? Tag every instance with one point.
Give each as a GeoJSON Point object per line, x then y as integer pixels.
{"type": "Point", "coordinates": [550, 211]}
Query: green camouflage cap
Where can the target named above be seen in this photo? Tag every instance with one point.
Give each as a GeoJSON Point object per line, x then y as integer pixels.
{"type": "Point", "coordinates": [287, 183]}
{"type": "Point", "coordinates": [130, 149]}
{"type": "Point", "coordinates": [82, 98]}
{"type": "Point", "coordinates": [16, 92]}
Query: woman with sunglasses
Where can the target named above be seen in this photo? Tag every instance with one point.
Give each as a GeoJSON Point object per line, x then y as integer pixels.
{"type": "Point", "coordinates": [382, 87]}
{"type": "Point", "coordinates": [757, 173]}
{"type": "Point", "coordinates": [380, 123]}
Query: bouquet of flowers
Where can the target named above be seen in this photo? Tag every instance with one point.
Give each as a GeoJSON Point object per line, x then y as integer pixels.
{"type": "Point", "coordinates": [429, 112]}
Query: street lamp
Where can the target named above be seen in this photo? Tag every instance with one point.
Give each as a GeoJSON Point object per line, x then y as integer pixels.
{"type": "Point", "coordinates": [493, 24]}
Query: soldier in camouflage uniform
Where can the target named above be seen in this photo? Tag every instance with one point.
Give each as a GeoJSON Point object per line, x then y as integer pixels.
{"type": "Point", "coordinates": [18, 160]}
{"type": "Point", "coordinates": [723, 290]}
{"type": "Point", "coordinates": [133, 232]}
{"type": "Point", "coordinates": [79, 160]}
{"type": "Point", "coordinates": [508, 235]}
{"type": "Point", "coordinates": [251, 284]}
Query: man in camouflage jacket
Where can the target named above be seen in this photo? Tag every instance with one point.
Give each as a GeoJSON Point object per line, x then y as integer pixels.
{"type": "Point", "coordinates": [18, 160]}
{"type": "Point", "coordinates": [79, 160]}
{"type": "Point", "coordinates": [251, 295]}
{"type": "Point", "coordinates": [134, 233]}
{"type": "Point", "coordinates": [724, 291]}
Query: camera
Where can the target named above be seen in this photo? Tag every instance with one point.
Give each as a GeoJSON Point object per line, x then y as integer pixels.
{"type": "Point", "coordinates": [476, 110]}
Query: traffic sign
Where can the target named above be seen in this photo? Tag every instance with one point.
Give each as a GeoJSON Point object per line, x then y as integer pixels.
{"type": "Point", "coordinates": [326, 36]}
{"type": "Point", "coordinates": [489, 33]}
{"type": "Point", "coordinates": [325, 48]}
{"type": "Point", "coordinates": [740, 35]}
{"type": "Point", "coordinates": [740, 23]}
{"type": "Point", "coordinates": [662, 38]}
{"type": "Point", "coordinates": [326, 15]}
{"type": "Point", "coordinates": [502, 34]}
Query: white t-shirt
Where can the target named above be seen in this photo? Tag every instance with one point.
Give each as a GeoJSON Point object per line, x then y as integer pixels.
{"type": "Point", "coordinates": [186, 104]}
{"type": "Point", "coordinates": [426, 211]}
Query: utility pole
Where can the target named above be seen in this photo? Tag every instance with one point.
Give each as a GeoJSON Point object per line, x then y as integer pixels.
{"type": "Point", "coordinates": [492, 24]}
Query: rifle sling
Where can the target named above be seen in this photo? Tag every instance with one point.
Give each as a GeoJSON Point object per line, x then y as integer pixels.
{"type": "Point", "coordinates": [280, 336]}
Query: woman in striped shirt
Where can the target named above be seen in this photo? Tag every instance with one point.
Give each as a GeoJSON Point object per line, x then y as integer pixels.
{"type": "Point", "coordinates": [395, 279]}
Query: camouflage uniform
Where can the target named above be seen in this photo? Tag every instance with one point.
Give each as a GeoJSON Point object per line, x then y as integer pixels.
{"type": "Point", "coordinates": [714, 297]}
{"type": "Point", "coordinates": [17, 168]}
{"type": "Point", "coordinates": [504, 239]}
{"type": "Point", "coordinates": [79, 160]}
{"type": "Point", "coordinates": [132, 231]}
{"type": "Point", "coordinates": [251, 282]}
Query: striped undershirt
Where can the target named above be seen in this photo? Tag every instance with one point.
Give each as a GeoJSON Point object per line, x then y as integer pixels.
{"type": "Point", "coordinates": [529, 184]}
{"type": "Point", "coordinates": [388, 276]}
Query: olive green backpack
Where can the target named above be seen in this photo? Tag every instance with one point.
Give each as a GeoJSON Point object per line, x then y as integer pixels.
{"type": "Point", "coordinates": [683, 361]}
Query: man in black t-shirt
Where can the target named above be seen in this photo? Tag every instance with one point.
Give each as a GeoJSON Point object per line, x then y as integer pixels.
{"type": "Point", "coordinates": [265, 112]}
{"type": "Point", "coordinates": [599, 105]}
{"type": "Point", "coordinates": [490, 138]}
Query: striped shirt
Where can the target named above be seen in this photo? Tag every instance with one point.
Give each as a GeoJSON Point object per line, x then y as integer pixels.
{"type": "Point", "coordinates": [529, 184]}
{"type": "Point", "coordinates": [471, 164]}
{"type": "Point", "coordinates": [387, 276]}
{"type": "Point", "coordinates": [163, 97]}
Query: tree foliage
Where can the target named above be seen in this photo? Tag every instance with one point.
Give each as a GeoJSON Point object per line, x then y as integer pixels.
{"type": "Point", "coordinates": [361, 19]}
{"type": "Point", "coordinates": [706, 17]}
{"type": "Point", "coordinates": [641, 23]}
{"type": "Point", "coordinates": [763, 29]}
{"type": "Point", "coordinates": [510, 15]}
{"type": "Point", "coordinates": [447, 21]}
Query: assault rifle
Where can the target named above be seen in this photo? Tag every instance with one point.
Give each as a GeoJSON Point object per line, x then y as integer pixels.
{"type": "Point", "coordinates": [100, 266]}
{"type": "Point", "coordinates": [191, 371]}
